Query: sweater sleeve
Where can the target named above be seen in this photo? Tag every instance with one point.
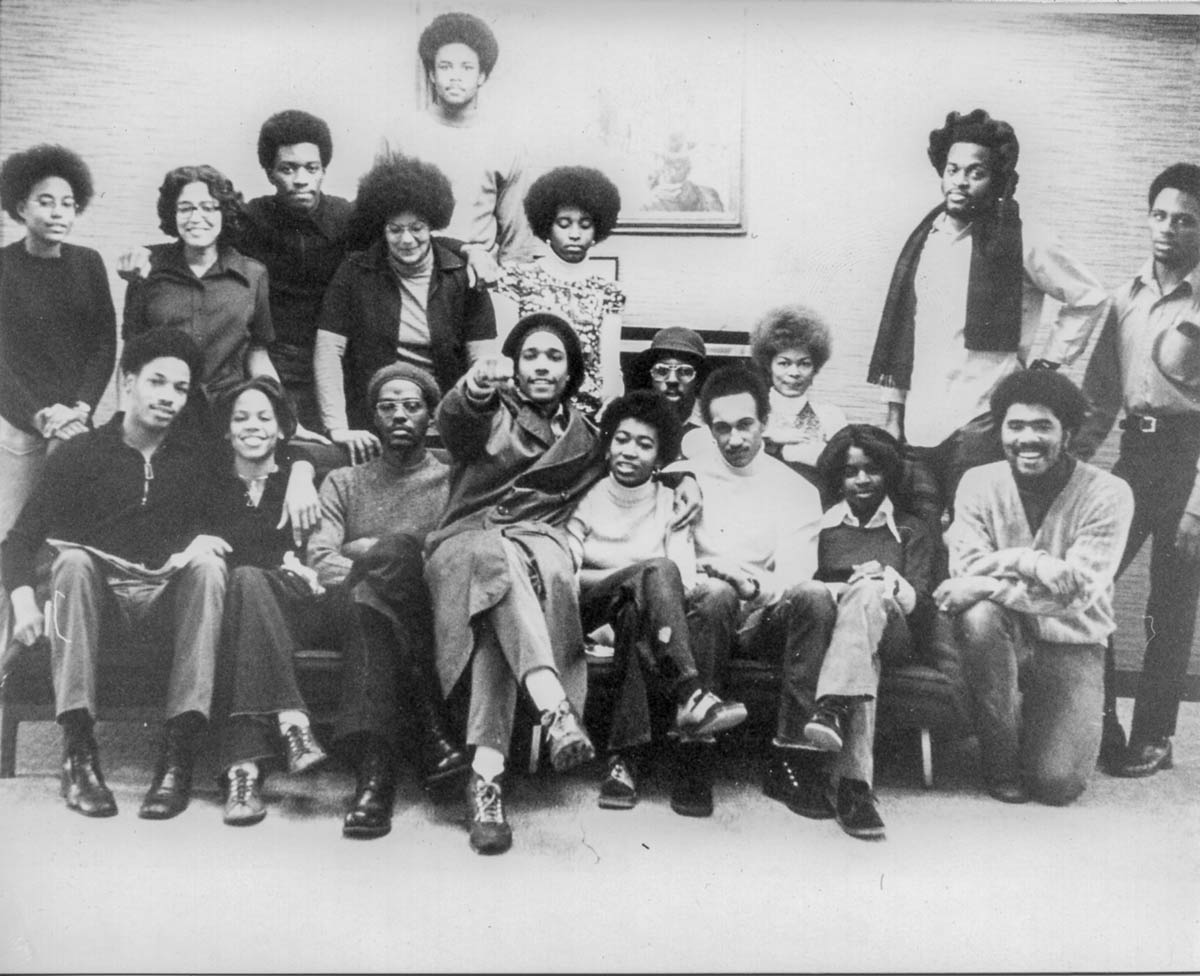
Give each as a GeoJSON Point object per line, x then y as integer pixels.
{"type": "Point", "coordinates": [101, 334]}
{"type": "Point", "coordinates": [796, 552]}
{"type": "Point", "coordinates": [324, 552]}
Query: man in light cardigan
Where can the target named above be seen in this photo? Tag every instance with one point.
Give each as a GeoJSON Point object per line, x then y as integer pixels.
{"type": "Point", "coordinates": [1034, 547]}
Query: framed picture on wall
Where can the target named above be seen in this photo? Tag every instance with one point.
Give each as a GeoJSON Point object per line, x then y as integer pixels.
{"type": "Point", "coordinates": [672, 113]}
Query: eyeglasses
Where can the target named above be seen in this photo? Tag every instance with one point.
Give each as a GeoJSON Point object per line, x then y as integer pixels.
{"type": "Point", "coordinates": [389, 408]}
{"type": "Point", "coordinates": [205, 207]}
{"type": "Point", "coordinates": [662, 371]}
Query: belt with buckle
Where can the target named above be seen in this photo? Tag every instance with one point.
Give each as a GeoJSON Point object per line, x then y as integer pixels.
{"type": "Point", "coordinates": [1184, 425]}
{"type": "Point", "coordinates": [1139, 423]}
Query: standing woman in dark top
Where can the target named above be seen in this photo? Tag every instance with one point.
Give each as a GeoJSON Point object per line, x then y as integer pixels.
{"type": "Point", "coordinates": [57, 325]}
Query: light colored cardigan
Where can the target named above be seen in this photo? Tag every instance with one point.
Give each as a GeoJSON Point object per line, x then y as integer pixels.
{"type": "Point", "coordinates": [1086, 525]}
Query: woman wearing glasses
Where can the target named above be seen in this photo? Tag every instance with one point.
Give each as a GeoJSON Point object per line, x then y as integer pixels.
{"type": "Point", "coordinates": [203, 286]}
{"type": "Point", "coordinates": [404, 298]}
{"type": "Point", "coordinates": [572, 209]}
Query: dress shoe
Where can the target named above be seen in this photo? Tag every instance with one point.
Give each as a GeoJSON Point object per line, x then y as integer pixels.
{"type": "Point", "coordinates": [1147, 759]}
{"type": "Point", "coordinates": [570, 745]}
{"type": "Point", "coordinates": [83, 785]}
{"type": "Point", "coordinates": [618, 789]}
{"type": "Point", "coordinates": [490, 832]}
{"type": "Point", "coordinates": [370, 815]}
{"type": "Point", "coordinates": [826, 729]}
{"type": "Point", "coordinates": [704, 714]}
{"type": "Point", "coordinates": [797, 779]}
{"type": "Point", "coordinates": [692, 789]}
{"type": "Point", "coordinates": [171, 788]}
{"type": "Point", "coordinates": [856, 812]}
{"type": "Point", "coordinates": [303, 750]}
{"type": "Point", "coordinates": [244, 805]}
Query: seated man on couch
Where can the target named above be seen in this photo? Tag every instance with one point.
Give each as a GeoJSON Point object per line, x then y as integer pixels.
{"type": "Point", "coordinates": [122, 506]}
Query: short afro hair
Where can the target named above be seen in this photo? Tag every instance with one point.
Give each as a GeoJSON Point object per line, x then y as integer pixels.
{"type": "Point", "coordinates": [876, 443]}
{"type": "Point", "coordinates": [219, 185]}
{"type": "Point", "coordinates": [790, 327]}
{"type": "Point", "coordinates": [269, 387]}
{"type": "Point", "coordinates": [653, 410]}
{"type": "Point", "coordinates": [290, 128]}
{"type": "Point", "coordinates": [514, 342]}
{"type": "Point", "coordinates": [1043, 387]}
{"type": "Point", "coordinates": [731, 381]}
{"type": "Point", "coordinates": [459, 28]}
{"type": "Point", "coordinates": [22, 171]}
{"type": "Point", "coordinates": [162, 344]}
{"type": "Point", "coordinates": [1184, 177]}
{"type": "Point", "coordinates": [395, 184]}
{"type": "Point", "coordinates": [980, 128]}
{"type": "Point", "coordinates": [573, 186]}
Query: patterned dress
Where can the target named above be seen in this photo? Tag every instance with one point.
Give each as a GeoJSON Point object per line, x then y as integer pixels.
{"type": "Point", "coordinates": [585, 302]}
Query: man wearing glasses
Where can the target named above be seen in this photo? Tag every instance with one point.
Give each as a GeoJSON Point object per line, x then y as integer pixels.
{"type": "Point", "coordinates": [674, 365]}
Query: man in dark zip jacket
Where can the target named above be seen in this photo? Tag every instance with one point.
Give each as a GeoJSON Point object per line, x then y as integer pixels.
{"type": "Point", "coordinates": [121, 506]}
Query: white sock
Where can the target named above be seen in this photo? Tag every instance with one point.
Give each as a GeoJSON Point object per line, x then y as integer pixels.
{"type": "Point", "coordinates": [488, 762]}
{"type": "Point", "coordinates": [250, 767]}
{"type": "Point", "coordinates": [545, 689]}
{"type": "Point", "coordinates": [292, 717]}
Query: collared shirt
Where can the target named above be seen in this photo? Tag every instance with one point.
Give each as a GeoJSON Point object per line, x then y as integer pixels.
{"type": "Point", "coordinates": [301, 252]}
{"type": "Point", "coordinates": [225, 311]}
{"type": "Point", "coordinates": [952, 384]}
{"type": "Point", "coordinates": [841, 514]}
{"type": "Point", "coordinates": [1122, 372]}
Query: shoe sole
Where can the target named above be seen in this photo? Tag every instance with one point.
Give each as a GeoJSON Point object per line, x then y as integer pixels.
{"type": "Point", "coordinates": [723, 721]}
{"type": "Point", "coordinates": [96, 814]}
{"type": "Point", "coordinates": [365, 833]}
{"type": "Point", "coordinates": [145, 814]}
{"type": "Point", "coordinates": [685, 810]}
{"type": "Point", "coordinates": [617, 802]}
{"type": "Point", "coordinates": [244, 821]}
{"type": "Point", "coordinates": [823, 737]}
{"type": "Point", "coordinates": [310, 762]}
{"type": "Point", "coordinates": [809, 813]}
{"type": "Point", "coordinates": [1141, 772]}
{"type": "Point", "coordinates": [490, 849]}
{"type": "Point", "coordinates": [864, 833]}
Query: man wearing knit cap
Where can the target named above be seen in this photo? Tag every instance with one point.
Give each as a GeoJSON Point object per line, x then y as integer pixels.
{"type": "Point", "coordinates": [675, 365]}
{"type": "Point", "coordinates": [963, 309]}
{"type": "Point", "coordinates": [480, 152]}
{"type": "Point", "coordinates": [1147, 360]}
{"type": "Point", "coordinates": [374, 519]}
{"type": "Point", "coordinates": [1034, 547]}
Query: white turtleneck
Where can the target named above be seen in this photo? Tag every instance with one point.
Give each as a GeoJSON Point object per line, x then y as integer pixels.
{"type": "Point", "coordinates": [764, 517]}
{"type": "Point", "coordinates": [614, 526]}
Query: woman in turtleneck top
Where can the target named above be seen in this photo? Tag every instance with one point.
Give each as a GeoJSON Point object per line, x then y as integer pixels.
{"type": "Point", "coordinates": [404, 297]}
{"type": "Point", "coordinates": [572, 208]}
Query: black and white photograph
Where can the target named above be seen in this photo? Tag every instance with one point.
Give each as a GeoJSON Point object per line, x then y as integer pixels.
{"type": "Point", "coordinates": [599, 486]}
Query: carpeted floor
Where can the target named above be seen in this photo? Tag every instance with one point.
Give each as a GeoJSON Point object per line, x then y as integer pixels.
{"type": "Point", "coordinates": [962, 883]}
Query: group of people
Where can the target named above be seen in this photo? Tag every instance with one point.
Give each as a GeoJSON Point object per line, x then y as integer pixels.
{"type": "Point", "coordinates": [501, 488]}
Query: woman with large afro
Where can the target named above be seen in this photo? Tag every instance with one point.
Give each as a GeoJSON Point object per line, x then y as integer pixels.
{"type": "Point", "coordinates": [573, 208]}
{"type": "Point", "coordinates": [404, 297]}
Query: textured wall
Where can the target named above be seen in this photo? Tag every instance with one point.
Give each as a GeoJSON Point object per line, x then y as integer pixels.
{"type": "Point", "coordinates": [839, 101]}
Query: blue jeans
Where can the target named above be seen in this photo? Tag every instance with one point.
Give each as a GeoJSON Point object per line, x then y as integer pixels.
{"type": "Point", "coordinates": [1037, 704]}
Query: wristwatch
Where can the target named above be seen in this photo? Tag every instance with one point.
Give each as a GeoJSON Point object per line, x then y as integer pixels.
{"type": "Point", "coordinates": [1044, 364]}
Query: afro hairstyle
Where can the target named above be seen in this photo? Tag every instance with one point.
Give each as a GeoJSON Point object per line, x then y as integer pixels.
{"type": "Point", "coordinates": [790, 327]}
{"type": "Point", "coordinates": [573, 186]}
{"type": "Point", "coordinates": [1045, 388]}
{"type": "Point", "coordinates": [290, 128]}
{"type": "Point", "coordinates": [22, 171]}
{"type": "Point", "coordinates": [980, 128]}
{"type": "Point", "coordinates": [394, 185]}
{"type": "Point", "coordinates": [459, 28]}
{"type": "Point", "coordinates": [652, 409]}
{"type": "Point", "coordinates": [219, 185]}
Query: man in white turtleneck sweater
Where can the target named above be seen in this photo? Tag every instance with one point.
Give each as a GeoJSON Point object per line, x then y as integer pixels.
{"type": "Point", "coordinates": [757, 541]}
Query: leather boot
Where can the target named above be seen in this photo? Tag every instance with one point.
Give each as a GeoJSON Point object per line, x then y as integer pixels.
{"type": "Point", "coordinates": [83, 785]}
{"type": "Point", "coordinates": [370, 815]}
{"type": "Point", "coordinates": [171, 788]}
{"type": "Point", "coordinates": [442, 762]}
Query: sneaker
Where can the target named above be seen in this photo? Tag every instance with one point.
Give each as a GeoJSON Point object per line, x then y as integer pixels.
{"type": "Point", "coordinates": [798, 782]}
{"type": "Point", "coordinates": [490, 832]}
{"type": "Point", "coordinates": [570, 745]}
{"type": "Point", "coordinates": [618, 790]}
{"type": "Point", "coordinates": [826, 729]}
{"type": "Point", "coordinates": [704, 714]}
{"type": "Point", "coordinates": [244, 805]}
{"type": "Point", "coordinates": [692, 790]}
{"type": "Point", "coordinates": [303, 750]}
{"type": "Point", "coordinates": [855, 810]}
